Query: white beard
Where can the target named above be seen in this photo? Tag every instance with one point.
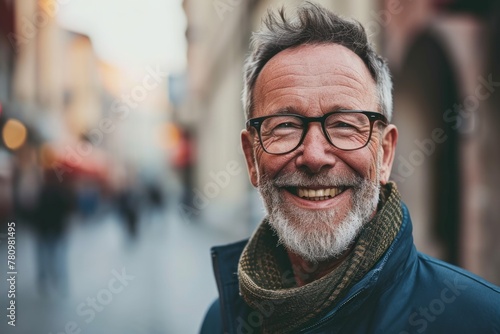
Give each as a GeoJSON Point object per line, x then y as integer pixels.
{"type": "Point", "coordinates": [318, 235]}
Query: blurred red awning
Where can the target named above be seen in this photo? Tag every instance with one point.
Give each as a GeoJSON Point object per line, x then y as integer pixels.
{"type": "Point", "coordinates": [69, 162]}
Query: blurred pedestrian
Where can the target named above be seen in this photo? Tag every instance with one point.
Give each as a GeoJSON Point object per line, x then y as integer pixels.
{"type": "Point", "coordinates": [128, 207]}
{"type": "Point", "coordinates": [27, 182]}
{"type": "Point", "coordinates": [54, 208]}
{"type": "Point", "coordinates": [183, 161]}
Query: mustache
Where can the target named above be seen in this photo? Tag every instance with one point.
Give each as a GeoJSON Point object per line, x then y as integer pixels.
{"type": "Point", "coordinates": [302, 179]}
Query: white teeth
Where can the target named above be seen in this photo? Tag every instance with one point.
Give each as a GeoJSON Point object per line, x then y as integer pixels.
{"type": "Point", "coordinates": [319, 194]}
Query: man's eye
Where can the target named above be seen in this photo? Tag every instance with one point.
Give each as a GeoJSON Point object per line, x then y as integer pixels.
{"type": "Point", "coordinates": [343, 125]}
{"type": "Point", "coordinates": [287, 125]}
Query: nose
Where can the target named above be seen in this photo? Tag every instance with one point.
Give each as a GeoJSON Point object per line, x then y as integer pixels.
{"type": "Point", "coordinates": [315, 152]}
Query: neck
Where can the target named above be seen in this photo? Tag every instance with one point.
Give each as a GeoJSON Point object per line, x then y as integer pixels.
{"type": "Point", "coordinates": [306, 271]}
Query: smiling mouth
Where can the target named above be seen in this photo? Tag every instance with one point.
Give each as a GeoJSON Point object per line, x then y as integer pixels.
{"type": "Point", "coordinates": [316, 194]}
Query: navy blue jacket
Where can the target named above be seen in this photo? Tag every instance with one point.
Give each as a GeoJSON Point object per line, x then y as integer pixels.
{"type": "Point", "coordinates": [405, 292]}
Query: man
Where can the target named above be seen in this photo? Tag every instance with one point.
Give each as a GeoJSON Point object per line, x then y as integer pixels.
{"type": "Point", "coordinates": [335, 253]}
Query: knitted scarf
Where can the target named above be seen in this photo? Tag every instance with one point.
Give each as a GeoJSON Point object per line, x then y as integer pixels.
{"type": "Point", "coordinates": [267, 281]}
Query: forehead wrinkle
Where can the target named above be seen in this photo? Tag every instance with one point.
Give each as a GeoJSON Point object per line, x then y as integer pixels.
{"type": "Point", "coordinates": [277, 105]}
{"type": "Point", "coordinates": [343, 100]}
{"type": "Point", "coordinates": [292, 61]}
{"type": "Point", "coordinates": [353, 73]}
{"type": "Point", "coordinates": [346, 71]}
{"type": "Point", "coordinates": [350, 100]}
{"type": "Point", "coordinates": [356, 94]}
{"type": "Point", "coordinates": [349, 92]}
{"type": "Point", "coordinates": [344, 80]}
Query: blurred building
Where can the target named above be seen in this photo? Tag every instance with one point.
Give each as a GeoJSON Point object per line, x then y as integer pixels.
{"type": "Point", "coordinates": [6, 52]}
{"type": "Point", "coordinates": [50, 87]}
{"type": "Point", "coordinates": [54, 80]}
{"type": "Point", "coordinates": [216, 46]}
{"type": "Point", "coordinates": [7, 58]}
{"type": "Point", "coordinates": [442, 57]}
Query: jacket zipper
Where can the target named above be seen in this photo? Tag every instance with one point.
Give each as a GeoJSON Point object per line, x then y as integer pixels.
{"type": "Point", "coordinates": [322, 321]}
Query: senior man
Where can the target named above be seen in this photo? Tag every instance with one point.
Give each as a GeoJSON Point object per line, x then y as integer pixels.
{"type": "Point", "coordinates": [335, 252]}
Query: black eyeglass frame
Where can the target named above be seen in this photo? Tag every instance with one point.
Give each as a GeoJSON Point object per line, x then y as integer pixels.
{"type": "Point", "coordinates": [372, 117]}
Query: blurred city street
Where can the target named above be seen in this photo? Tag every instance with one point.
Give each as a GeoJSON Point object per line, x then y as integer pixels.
{"type": "Point", "coordinates": [164, 271]}
{"type": "Point", "coordinates": [121, 160]}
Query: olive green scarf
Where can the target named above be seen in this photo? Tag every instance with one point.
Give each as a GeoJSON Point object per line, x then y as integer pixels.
{"type": "Point", "coordinates": [267, 281]}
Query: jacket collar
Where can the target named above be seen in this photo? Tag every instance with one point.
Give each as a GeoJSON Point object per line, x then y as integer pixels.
{"type": "Point", "coordinates": [400, 257]}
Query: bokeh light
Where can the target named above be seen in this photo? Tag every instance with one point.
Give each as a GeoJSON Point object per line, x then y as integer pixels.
{"type": "Point", "coordinates": [14, 134]}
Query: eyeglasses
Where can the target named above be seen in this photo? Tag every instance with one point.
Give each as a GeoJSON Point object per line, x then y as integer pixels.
{"type": "Point", "coordinates": [347, 130]}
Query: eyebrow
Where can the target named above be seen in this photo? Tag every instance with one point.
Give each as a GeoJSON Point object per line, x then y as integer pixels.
{"type": "Point", "coordinates": [286, 110]}
{"type": "Point", "coordinates": [338, 107]}
{"type": "Point", "coordinates": [292, 110]}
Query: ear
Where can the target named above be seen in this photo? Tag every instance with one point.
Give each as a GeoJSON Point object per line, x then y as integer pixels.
{"type": "Point", "coordinates": [247, 141]}
{"type": "Point", "coordinates": [389, 141]}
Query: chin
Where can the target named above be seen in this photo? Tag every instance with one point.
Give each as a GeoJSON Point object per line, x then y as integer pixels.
{"type": "Point", "coordinates": [314, 226]}
{"type": "Point", "coordinates": [322, 234]}
{"type": "Point", "coordinates": [317, 235]}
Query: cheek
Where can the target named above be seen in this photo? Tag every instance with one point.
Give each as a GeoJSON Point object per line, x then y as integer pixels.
{"type": "Point", "coordinates": [364, 161]}
{"type": "Point", "coordinates": [261, 160]}
{"type": "Point", "coordinates": [373, 157]}
{"type": "Point", "coordinates": [271, 165]}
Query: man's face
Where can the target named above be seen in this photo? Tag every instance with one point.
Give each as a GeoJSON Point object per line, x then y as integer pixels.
{"type": "Point", "coordinates": [312, 80]}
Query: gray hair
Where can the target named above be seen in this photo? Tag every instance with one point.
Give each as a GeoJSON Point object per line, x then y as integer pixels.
{"type": "Point", "coordinates": [314, 25]}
